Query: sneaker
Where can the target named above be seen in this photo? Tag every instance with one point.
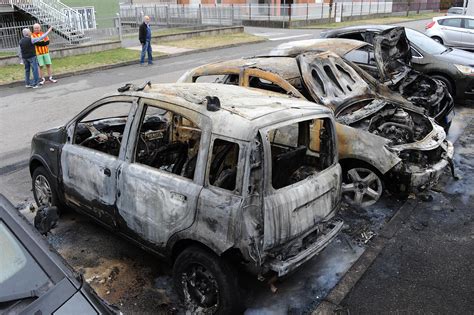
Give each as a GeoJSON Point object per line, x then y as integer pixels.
{"type": "Point", "coordinates": [36, 86]}
{"type": "Point", "coordinates": [52, 80]}
{"type": "Point", "coordinates": [42, 81]}
{"type": "Point", "coordinates": [28, 86]}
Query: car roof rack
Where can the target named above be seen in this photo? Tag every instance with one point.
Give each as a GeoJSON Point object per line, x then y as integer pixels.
{"type": "Point", "coordinates": [133, 87]}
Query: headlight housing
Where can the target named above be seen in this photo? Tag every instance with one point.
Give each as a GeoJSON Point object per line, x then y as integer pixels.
{"type": "Point", "coordinates": [468, 70]}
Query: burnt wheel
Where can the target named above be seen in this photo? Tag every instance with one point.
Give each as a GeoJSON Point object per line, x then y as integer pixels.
{"type": "Point", "coordinates": [446, 82]}
{"type": "Point", "coordinates": [362, 187]}
{"type": "Point", "coordinates": [43, 189]}
{"type": "Point", "coordinates": [205, 282]}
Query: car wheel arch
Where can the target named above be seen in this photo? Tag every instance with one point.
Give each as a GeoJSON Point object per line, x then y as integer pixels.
{"type": "Point", "coordinates": [447, 77]}
{"type": "Point", "coordinates": [37, 161]}
{"type": "Point", "coordinates": [353, 162]}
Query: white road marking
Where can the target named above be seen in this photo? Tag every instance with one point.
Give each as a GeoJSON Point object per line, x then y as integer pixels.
{"type": "Point", "coordinates": [289, 37]}
{"type": "Point", "coordinates": [269, 34]}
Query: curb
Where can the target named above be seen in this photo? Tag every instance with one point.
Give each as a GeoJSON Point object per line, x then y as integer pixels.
{"type": "Point", "coordinates": [331, 303]}
{"type": "Point", "coordinates": [335, 27]}
{"type": "Point", "coordinates": [133, 62]}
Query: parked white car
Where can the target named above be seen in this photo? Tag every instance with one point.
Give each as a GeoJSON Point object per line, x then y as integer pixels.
{"type": "Point", "coordinates": [456, 11]}
{"type": "Point", "coordinates": [453, 31]}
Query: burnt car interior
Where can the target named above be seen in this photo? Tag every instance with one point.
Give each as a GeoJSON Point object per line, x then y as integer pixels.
{"type": "Point", "coordinates": [102, 129]}
{"type": "Point", "coordinates": [168, 141]}
{"type": "Point", "coordinates": [300, 150]}
{"type": "Point", "coordinates": [223, 166]}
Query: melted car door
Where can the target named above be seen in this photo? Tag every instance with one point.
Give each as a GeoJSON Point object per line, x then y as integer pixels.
{"type": "Point", "coordinates": [158, 187]}
{"type": "Point", "coordinates": [302, 180]}
{"type": "Point", "coordinates": [92, 157]}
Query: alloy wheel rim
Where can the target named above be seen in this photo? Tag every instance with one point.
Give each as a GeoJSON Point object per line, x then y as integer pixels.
{"type": "Point", "coordinates": [363, 187]}
{"type": "Point", "coordinates": [43, 191]}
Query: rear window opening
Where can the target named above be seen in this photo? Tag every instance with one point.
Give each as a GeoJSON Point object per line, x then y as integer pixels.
{"type": "Point", "coordinates": [300, 150]}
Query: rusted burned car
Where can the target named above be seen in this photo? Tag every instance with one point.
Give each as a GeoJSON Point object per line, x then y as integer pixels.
{"type": "Point", "coordinates": [388, 62]}
{"type": "Point", "coordinates": [204, 175]}
{"type": "Point", "coordinates": [384, 141]}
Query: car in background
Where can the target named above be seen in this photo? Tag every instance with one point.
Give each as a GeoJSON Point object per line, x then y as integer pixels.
{"type": "Point", "coordinates": [452, 31]}
{"type": "Point", "coordinates": [455, 67]}
{"type": "Point", "coordinates": [34, 279]}
{"type": "Point", "coordinates": [209, 177]}
{"type": "Point", "coordinates": [389, 63]}
{"type": "Point", "coordinates": [456, 11]}
{"type": "Point", "coordinates": [384, 141]}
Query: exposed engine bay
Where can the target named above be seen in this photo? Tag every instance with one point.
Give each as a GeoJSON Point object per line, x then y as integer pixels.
{"type": "Point", "coordinates": [398, 125]}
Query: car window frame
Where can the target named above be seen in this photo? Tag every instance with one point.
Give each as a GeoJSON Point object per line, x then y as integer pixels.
{"type": "Point", "coordinates": [241, 164]}
{"type": "Point", "coordinates": [71, 126]}
{"type": "Point", "coordinates": [267, 161]}
{"type": "Point", "coordinates": [204, 123]}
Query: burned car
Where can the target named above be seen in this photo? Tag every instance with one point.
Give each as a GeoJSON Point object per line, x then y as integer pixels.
{"type": "Point", "coordinates": [384, 141]}
{"type": "Point", "coordinates": [388, 61]}
{"type": "Point", "coordinates": [209, 177]}
{"type": "Point", "coordinates": [34, 279]}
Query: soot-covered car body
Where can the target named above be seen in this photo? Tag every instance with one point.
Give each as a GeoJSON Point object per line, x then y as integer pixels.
{"type": "Point", "coordinates": [201, 174]}
{"type": "Point", "coordinates": [381, 136]}
{"type": "Point", "coordinates": [34, 279]}
{"type": "Point", "coordinates": [388, 61]}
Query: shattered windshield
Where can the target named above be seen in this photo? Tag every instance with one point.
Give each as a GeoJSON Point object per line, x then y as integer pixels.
{"type": "Point", "coordinates": [20, 275]}
{"type": "Point", "coordinates": [424, 42]}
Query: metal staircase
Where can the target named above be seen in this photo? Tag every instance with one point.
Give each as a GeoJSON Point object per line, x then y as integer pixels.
{"type": "Point", "coordinates": [66, 22]}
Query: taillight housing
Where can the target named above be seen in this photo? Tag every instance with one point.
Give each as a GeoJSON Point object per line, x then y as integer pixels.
{"type": "Point", "coordinates": [430, 24]}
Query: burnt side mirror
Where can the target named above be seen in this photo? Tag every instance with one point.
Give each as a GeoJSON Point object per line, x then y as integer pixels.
{"type": "Point", "coordinates": [46, 219]}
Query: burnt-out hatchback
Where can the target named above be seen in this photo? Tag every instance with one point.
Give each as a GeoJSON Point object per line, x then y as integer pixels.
{"type": "Point", "coordinates": [208, 176]}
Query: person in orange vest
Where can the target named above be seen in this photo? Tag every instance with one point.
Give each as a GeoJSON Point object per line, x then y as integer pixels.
{"type": "Point", "coordinates": [42, 54]}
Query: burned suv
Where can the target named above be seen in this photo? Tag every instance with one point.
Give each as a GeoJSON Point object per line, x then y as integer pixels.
{"type": "Point", "coordinates": [207, 176]}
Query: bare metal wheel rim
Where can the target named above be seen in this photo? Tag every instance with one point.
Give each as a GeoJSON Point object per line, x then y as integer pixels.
{"type": "Point", "coordinates": [363, 187]}
{"type": "Point", "coordinates": [200, 289]}
{"type": "Point", "coordinates": [43, 191]}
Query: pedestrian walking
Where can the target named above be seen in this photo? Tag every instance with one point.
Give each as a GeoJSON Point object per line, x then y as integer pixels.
{"type": "Point", "coordinates": [28, 56]}
{"type": "Point", "coordinates": [42, 54]}
{"type": "Point", "coordinates": [144, 36]}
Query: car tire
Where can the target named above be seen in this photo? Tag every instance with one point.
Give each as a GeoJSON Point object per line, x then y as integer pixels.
{"type": "Point", "coordinates": [362, 186]}
{"type": "Point", "coordinates": [205, 282]}
{"type": "Point", "coordinates": [438, 39]}
{"type": "Point", "coordinates": [446, 82]}
{"type": "Point", "coordinates": [44, 190]}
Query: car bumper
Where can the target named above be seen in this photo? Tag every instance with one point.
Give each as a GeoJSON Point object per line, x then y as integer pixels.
{"type": "Point", "coordinates": [465, 88]}
{"type": "Point", "coordinates": [283, 267]}
{"type": "Point", "coordinates": [425, 179]}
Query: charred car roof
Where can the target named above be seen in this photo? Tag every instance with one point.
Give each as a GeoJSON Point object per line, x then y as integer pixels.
{"type": "Point", "coordinates": [337, 45]}
{"type": "Point", "coordinates": [248, 109]}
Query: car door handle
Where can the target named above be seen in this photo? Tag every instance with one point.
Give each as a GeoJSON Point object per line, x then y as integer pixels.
{"type": "Point", "coordinates": [107, 172]}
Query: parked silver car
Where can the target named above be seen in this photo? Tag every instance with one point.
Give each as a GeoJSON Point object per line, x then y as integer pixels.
{"type": "Point", "coordinates": [453, 31]}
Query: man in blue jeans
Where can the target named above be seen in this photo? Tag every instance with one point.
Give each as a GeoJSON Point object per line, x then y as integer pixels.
{"type": "Point", "coordinates": [144, 36]}
{"type": "Point", "coordinates": [28, 56]}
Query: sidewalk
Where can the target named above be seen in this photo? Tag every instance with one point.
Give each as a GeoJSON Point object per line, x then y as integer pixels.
{"type": "Point", "coordinates": [427, 266]}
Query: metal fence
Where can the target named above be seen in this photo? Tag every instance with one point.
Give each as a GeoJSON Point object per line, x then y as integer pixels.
{"type": "Point", "coordinates": [11, 33]}
{"type": "Point", "coordinates": [180, 15]}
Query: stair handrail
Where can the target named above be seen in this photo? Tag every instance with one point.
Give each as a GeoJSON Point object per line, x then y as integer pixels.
{"type": "Point", "coordinates": [72, 13]}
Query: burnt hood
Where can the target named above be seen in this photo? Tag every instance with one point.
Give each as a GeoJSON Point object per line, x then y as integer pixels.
{"type": "Point", "coordinates": [331, 81]}
{"type": "Point", "coordinates": [392, 54]}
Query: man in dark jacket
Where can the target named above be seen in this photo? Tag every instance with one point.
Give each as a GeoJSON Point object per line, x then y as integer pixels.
{"type": "Point", "coordinates": [144, 36]}
{"type": "Point", "coordinates": [28, 56]}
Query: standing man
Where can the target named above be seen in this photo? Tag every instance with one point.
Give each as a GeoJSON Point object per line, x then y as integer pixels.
{"type": "Point", "coordinates": [144, 36]}
{"type": "Point", "coordinates": [42, 54]}
{"type": "Point", "coordinates": [28, 56]}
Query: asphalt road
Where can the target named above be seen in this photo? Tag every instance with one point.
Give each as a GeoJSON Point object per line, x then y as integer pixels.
{"type": "Point", "coordinates": [121, 273]}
